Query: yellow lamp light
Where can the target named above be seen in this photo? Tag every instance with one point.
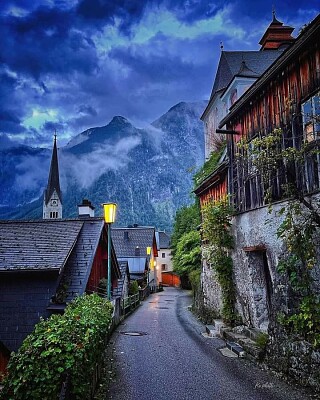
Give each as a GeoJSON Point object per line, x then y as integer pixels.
{"type": "Point", "coordinates": [148, 251]}
{"type": "Point", "coordinates": [109, 210]}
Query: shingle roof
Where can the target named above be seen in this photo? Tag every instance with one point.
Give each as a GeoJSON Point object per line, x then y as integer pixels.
{"type": "Point", "coordinates": [164, 240]}
{"type": "Point", "coordinates": [126, 240]}
{"type": "Point", "coordinates": [231, 61]}
{"type": "Point", "coordinates": [36, 245]}
{"type": "Point", "coordinates": [124, 269]}
{"type": "Point", "coordinates": [137, 265]}
{"type": "Point", "coordinates": [77, 270]}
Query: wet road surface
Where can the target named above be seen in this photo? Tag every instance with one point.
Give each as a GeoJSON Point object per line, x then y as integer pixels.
{"type": "Point", "coordinates": [160, 352]}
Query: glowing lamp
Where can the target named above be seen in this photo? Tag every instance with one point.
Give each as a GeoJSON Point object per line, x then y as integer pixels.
{"type": "Point", "coordinates": [148, 251]}
{"type": "Point", "coordinates": [109, 210]}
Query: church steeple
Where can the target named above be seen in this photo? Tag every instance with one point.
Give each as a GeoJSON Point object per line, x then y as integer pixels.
{"type": "Point", "coordinates": [277, 35]}
{"type": "Point", "coordinates": [52, 199]}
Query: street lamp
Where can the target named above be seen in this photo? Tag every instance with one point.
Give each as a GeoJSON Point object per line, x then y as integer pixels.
{"type": "Point", "coordinates": [148, 254]}
{"type": "Point", "coordinates": [109, 210]}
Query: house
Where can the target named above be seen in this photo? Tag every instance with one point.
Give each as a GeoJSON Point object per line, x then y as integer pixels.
{"type": "Point", "coordinates": [164, 260]}
{"type": "Point", "coordinates": [131, 244]}
{"type": "Point", "coordinates": [45, 264]}
{"type": "Point", "coordinates": [284, 98]}
{"type": "Point", "coordinates": [236, 72]}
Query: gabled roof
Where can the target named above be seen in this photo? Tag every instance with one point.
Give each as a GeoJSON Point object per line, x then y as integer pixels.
{"type": "Point", "coordinates": [124, 269]}
{"type": "Point", "coordinates": [53, 180]}
{"type": "Point", "coordinates": [309, 33]}
{"type": "Point", "coordinates": [137, 265]}
{"type": "Point", "coordinates": [164, 240]}
{"type": "Point", "coordinates": [37, 245]}
{"type": "Point", "coordinates": [78, 267]}
{"type": "Point", "coordinates": [126, 240]}
{"type": "Point", "coordinates": [230, 64]}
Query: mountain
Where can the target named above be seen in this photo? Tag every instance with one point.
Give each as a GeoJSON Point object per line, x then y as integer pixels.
{"type": "Point", "coordinates": [147, 172]}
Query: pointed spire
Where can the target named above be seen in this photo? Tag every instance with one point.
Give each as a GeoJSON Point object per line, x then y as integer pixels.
{"type": "Point", "coordinates": [53, 180]}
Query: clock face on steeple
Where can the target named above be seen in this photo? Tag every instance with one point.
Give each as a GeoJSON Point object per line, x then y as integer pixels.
{"type": "Point", "coordinates": [54, 202]}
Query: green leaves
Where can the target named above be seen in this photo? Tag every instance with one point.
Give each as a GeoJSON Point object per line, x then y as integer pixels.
{"type": "Point", "coordinates": [216, 224]}
{"type": "Point", "coordinates": [64, 345]}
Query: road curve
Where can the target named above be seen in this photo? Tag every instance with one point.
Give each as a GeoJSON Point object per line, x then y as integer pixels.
{"type": "Point", "coordinates": [160, 353]}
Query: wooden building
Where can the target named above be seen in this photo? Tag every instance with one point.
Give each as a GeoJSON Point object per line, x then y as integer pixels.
{"type": "Point", "coordinates": [43, 266]}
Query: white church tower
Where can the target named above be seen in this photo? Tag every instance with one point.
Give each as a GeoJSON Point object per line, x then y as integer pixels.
{"type": "Point", "coordinates": [52, 200]}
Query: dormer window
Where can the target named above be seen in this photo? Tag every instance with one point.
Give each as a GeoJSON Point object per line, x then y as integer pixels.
{"type": "Point", "coordinates": [233, 97]}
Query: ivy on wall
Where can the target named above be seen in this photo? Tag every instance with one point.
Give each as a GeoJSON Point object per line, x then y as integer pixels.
{"type": "Point", "coordinates": [216, 233]}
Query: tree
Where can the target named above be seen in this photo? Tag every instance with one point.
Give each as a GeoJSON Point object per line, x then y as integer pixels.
{"type": "Point", "coordinates": [185, 243]}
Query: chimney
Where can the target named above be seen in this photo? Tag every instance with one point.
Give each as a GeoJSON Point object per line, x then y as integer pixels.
{"type": "Point", "coordinates": [126, 235]}
{"type": "Point", "coordinates": [86, 209]}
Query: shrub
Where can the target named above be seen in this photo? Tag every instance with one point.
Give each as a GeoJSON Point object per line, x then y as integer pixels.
{"type": "Point", "coordinates": [62, 347]}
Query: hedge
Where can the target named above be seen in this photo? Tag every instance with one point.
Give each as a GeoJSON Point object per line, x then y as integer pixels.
{"type": "Point", "coordinates": [62, 347]}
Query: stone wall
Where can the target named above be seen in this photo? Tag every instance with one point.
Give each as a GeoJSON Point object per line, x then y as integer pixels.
{"type": "Point", "coordinates": [293, 357]}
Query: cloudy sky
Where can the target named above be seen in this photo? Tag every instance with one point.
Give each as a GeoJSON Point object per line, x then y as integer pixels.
{"type": "Point", "coordinates": [73, 64]}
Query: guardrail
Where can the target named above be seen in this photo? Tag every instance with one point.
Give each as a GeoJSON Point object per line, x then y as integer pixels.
{"type": "Point", "coordinates": [129, 303]}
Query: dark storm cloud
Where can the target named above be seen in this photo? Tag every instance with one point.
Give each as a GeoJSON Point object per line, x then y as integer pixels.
{"type": "Point", "coordinates": [51, 127]}
{"type": "Point", "coordinates": [75, 64]}
{"type": "Point", "coordinates": [44, 42]}
{"type": "Point", "coordinates": [9, 122]}
{"type": "Point", "coordinates": [85, 109]}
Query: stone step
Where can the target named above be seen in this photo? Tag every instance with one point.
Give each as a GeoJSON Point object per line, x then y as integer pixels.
{"type": "Point", "coordinates": [249, 346]}
{"type": "Point", "coordinates": [235, 348]}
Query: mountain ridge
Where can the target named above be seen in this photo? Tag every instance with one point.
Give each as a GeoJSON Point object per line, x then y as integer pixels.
{"type": "Point", "coordinates": [144, 170]}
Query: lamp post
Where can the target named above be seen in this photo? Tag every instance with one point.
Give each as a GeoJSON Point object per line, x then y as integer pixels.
{"type": "Point", "coordinates": [148, 254]}
{"type": "Point", "coordinates": [109, 210]}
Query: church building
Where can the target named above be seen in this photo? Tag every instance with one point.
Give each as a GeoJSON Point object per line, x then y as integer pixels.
{"type": "Point", "coordinates": [52, 198]}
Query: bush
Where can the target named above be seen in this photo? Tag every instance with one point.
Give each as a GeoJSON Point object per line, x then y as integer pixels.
{"type": "Point", "coordinates": [62, 347]}
{"type": "Point", "coordinates": [133, 288]}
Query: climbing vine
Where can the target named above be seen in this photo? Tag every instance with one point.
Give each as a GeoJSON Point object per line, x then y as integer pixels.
{"type": "Point", "coordinates": [216, 224]}
{"type": "Point", "coordinates": [299, 232]}
{"type": "Point", "coordinates": [299, 229]}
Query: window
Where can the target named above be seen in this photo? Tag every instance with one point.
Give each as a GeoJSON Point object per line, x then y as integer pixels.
{"type": "Point", "coordinates": [311, 118]}
{"type": "Point", "coordinates": [163, 267]}
{"type": "Point", "coordinates": [163, 255]}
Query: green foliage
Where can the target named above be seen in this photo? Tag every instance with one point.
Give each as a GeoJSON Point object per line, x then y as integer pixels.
{"type": "Point", "coordinates": [262, 340]}
{"type": "Point", "coordinates": [264, 155]}
{"type": "Point", "coordinates": [208, 167]}
{"type": "Point", "coordinates": [61, 347]}
{"type": "Point", "coordinates": [299, 230]}
{"type": "Point", "coordinates": [216, 223]}
{"type": "Point", "coordinates": [187, 219]}
{"type": "Point", "coordinates": [194, 278]}
{"type": "Point", "coordinates": [133, 288]}
{"type": "Point", "coordinates": [188, 253]}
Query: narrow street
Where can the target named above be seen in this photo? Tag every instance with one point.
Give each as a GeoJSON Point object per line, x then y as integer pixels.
{"type": "Point", "coordinates": [160, 353]}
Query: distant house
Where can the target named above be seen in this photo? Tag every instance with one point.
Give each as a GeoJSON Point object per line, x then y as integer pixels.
{"type": "Point", "coordinates": [131, 245]}
{"type": "Point", "coordinates": [164, 260]}
{"type": "Point", "coordinates": [44, 265]}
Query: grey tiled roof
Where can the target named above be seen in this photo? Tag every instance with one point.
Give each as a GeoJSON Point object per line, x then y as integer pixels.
{"type": "Point", "coordinates": [124, 269]}
{"type": "Point", "coordinates": [36, 245]}
{"type": "Point", "coordinates": [125, 240]}
{"type": "Point", "coordinates": [137, 265]}
{"type": "Point", "coordinates": [164, 240]}
{"type": "Point", "coordinates": [230, 64]}
{"type": "Point", "coordinates": [77, 270]}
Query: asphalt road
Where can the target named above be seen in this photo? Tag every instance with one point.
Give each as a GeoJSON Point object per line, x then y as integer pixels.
{"type": "Point", "coordinates": [170, 359]}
